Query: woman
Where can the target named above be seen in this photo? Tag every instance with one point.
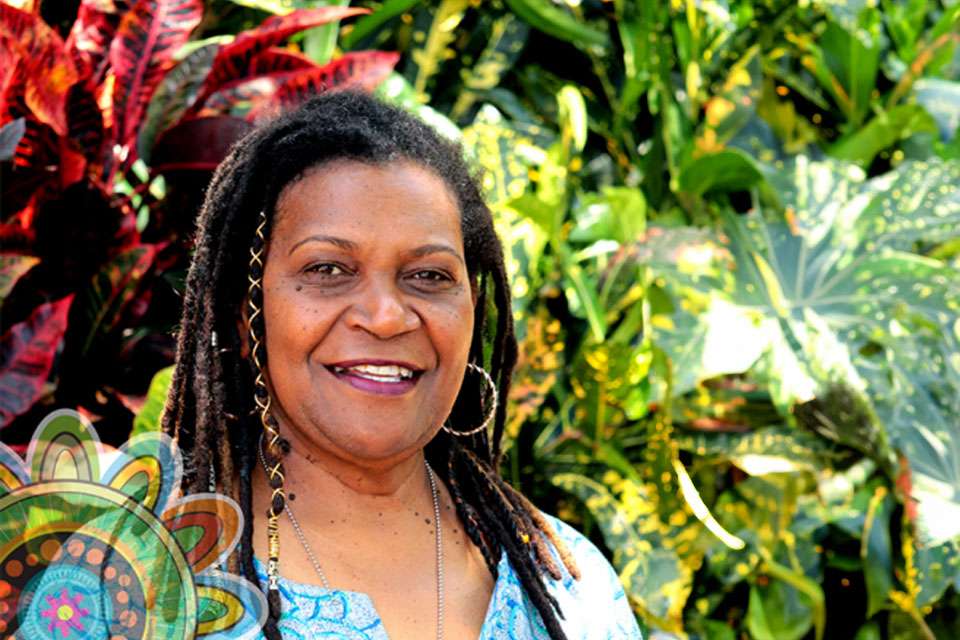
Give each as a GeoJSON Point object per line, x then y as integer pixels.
{"type": "Point", "coordinates": [345, 350]}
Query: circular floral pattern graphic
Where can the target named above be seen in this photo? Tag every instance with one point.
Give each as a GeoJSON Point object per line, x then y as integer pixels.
{"type": "Point", "coordinates": [117, 554]}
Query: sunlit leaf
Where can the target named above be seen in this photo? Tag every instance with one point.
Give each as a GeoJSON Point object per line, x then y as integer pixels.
{"type": "Point", "coordinates": [13, 266]}
{"type": "Point", "coordinates": [147, 419]}
{"type": "Point", "coordinates": [654, 577]}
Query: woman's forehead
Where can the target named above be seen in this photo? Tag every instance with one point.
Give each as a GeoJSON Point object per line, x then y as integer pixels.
{"type": "Point", "coordinates": [396, 202]}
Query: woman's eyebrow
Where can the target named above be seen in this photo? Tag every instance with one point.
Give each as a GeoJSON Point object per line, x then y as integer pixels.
{"type": "Point", "coordinates": [427, 249]}
{"type": "Point", "coordinates": [343, 243]}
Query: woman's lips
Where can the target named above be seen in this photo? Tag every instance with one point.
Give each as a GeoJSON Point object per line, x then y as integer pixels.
{"type": "Point", "coordinates": [379, 387]}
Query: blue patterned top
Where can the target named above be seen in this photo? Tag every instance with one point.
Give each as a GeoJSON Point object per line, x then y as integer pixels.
{"type": "Point", "coordinates": [594, 607]}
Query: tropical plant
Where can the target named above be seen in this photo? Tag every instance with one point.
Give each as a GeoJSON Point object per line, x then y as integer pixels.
{"type": "Point", "coordinates": [90, 124]}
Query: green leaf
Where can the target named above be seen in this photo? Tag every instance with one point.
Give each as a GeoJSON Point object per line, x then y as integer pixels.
{"type": "Point", "coordinates": [366, 25]}
{"type": "Point", "coordinates": [554, 21]}
{"type": "Point", "coordinates": [616, 213]}
{"type": "Point", "coordinates": [941, 99]}
{"type": "Point", "coordinates": [845, 60]}
{"type": "Point", "coordinates": [582, 291]}
{"type": "Point", "coordinates": [777, 612]}
{"type": "Point", "coordinates": [174, 96]}
{"type": "Point", "coordinates": [876, 551]}
{"type": "Point", "coordinates": [653, 576]}
{"type": "Point", "coordinates": [914, 206]}
{"type": "Point", "coordinates": [507, 37]}
{"type": "Point", "coordinates": [724, 171]}
{"type": "Point", "coordinates": [111, 291]}
{"type": "Point", "coordinates": [778, 448]}
{"type": "Point", "coordinates": [572, 116]}
{"type": "Point", "coordinates": [436, 47]}
{"type": "Point", "coordinates": [883, 131]}
{"type": "Point", "coordinates": [148, 418]}
{"type": "Point", "coordinates": [320, 42]}
{"type": "Point", "coordinates": [396, 90]}
{"type": "Point", "coordinates": [276, 7]}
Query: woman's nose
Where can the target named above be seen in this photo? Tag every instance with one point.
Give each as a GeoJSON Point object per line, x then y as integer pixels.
{"type": "Point", "coordinates": [381, 310]}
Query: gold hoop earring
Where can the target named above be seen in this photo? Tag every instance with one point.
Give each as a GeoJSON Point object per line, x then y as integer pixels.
{"type": "Point", "coordinates": [494, 399]}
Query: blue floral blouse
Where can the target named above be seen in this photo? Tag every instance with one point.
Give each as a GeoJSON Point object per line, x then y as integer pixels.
{"type": "Point", "coordinates": [594, 607]}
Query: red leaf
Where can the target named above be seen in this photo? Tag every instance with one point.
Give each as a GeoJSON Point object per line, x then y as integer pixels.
{"type": "Point", "coordinates": [27, 351]}
{"type": "Point", "coordinates": [234, 60]}
{"type": "Point", "coordinates": [276, 60]}
{"type": "Point", "coordinates": [197, 144]}
{"type": "Point", "coordinates": [141, 53]}
{"type": "Point", "coordinates": [90, 36]}
{"type": "Point", "coordinates": [85, 122]}
{"type": "Point", "coordinates": [268, 70]}
{"type": "Point", "coordinates": [248, 94]}
{"type": "Point", "coordinates": [48, 69]}
{"type": "Point", "coordinates": [364, 69]}
{"type": "Point", "coordinates": [15, 237]}
{"type": "Point", "coordinates": [36, 163]}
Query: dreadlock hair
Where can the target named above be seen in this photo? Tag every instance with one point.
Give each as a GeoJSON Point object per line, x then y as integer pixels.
{"type": "Point", "coordinates": [218, 407]}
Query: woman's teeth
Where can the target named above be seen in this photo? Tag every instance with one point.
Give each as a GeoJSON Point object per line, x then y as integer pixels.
{"type": "Point", "coordinates": [377, 373]}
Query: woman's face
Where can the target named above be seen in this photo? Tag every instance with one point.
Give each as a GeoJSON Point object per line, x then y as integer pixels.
{"type": "Point", "coordinates": [368, 308]}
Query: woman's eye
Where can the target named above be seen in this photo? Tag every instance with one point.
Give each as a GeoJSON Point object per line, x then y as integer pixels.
{"type": "Point", "coordinates": [431, 275]}
{"type": "Point", "coordinates": [327, 269]}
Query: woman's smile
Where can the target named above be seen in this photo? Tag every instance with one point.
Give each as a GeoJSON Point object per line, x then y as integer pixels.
{"type": "Point", "coordinates": [382, 377]}
{"type": "Point", "coordinates": [368, 304]}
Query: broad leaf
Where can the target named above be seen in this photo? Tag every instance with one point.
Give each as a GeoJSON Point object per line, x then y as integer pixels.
{"type": "Point", "coordinates": [845, 59]}
{"type": "Point", "coordinates": [85, 123]}
{"type": "Point", "coordinates": [47, 67]}
{"type": "Point", "coordinates": [652, 573]}
{"type": "Point", "coordinates": [173, 97]}
{"type": "Point", "coordinates": [555, 21]}
{"type": "Point", "coordinates": [364, 69]}
{"type": "Point", "coordinates": [275, 60]}
{"type": "Point", "coordinates": [90, 36]}
{"type": "Point", "coordinates": [777, 612]}
{"type": "Point", "coordinates": [197, 144]}
{"type": "Point", "coordinates": [881, 132]}
{"type": "Point", "coordinates": [13, 266]}
{"type": "Point", "coordinates": [147, 419]}
{"type": "Point", "coordinates": [507, 37]}
{"type": "Point", "coordinates": [233, 60]}
{"type": "Point", "coordinates": [941, 99]}
{"type": "Point", "coordinates": [140, 55]}
{"type": "Point", "coordinates": [103, 303]}
{"type": "Point", "coordinates": [10, 135]}
{"type": "Point", "coordinates": [27, 352]}
{"type": "Point", "coordinates": [729, 170]}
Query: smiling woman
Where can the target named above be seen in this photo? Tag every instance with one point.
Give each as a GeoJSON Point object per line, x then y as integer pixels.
{"type": "Point", "coordinates": [347, 387]}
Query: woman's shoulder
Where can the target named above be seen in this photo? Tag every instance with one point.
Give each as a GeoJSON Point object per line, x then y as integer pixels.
{"type": "Point", "coordinates": [598, 588]}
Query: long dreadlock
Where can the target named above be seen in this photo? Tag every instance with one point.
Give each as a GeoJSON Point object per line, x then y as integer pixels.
{"type": "Point", "coordinates": [216, 407]}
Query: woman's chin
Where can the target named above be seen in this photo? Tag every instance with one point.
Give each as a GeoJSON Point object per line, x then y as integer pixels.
{"type": "Point", "coordinates": [375, 445]}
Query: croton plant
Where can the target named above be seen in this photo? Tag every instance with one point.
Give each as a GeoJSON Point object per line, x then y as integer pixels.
{"type": "Point", "coordinates": [109, 131]}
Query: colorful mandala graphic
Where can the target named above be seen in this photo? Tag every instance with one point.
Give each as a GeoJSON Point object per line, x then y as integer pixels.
{"type": "Point", "coordinates": [118, 554]}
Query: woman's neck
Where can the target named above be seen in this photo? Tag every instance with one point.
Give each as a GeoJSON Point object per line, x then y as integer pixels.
{"type": "Point", "coordinates": [326, 491]}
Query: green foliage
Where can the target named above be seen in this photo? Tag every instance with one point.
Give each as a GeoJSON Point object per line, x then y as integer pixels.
{"type": "Point", "coordinates": [732, 234]}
